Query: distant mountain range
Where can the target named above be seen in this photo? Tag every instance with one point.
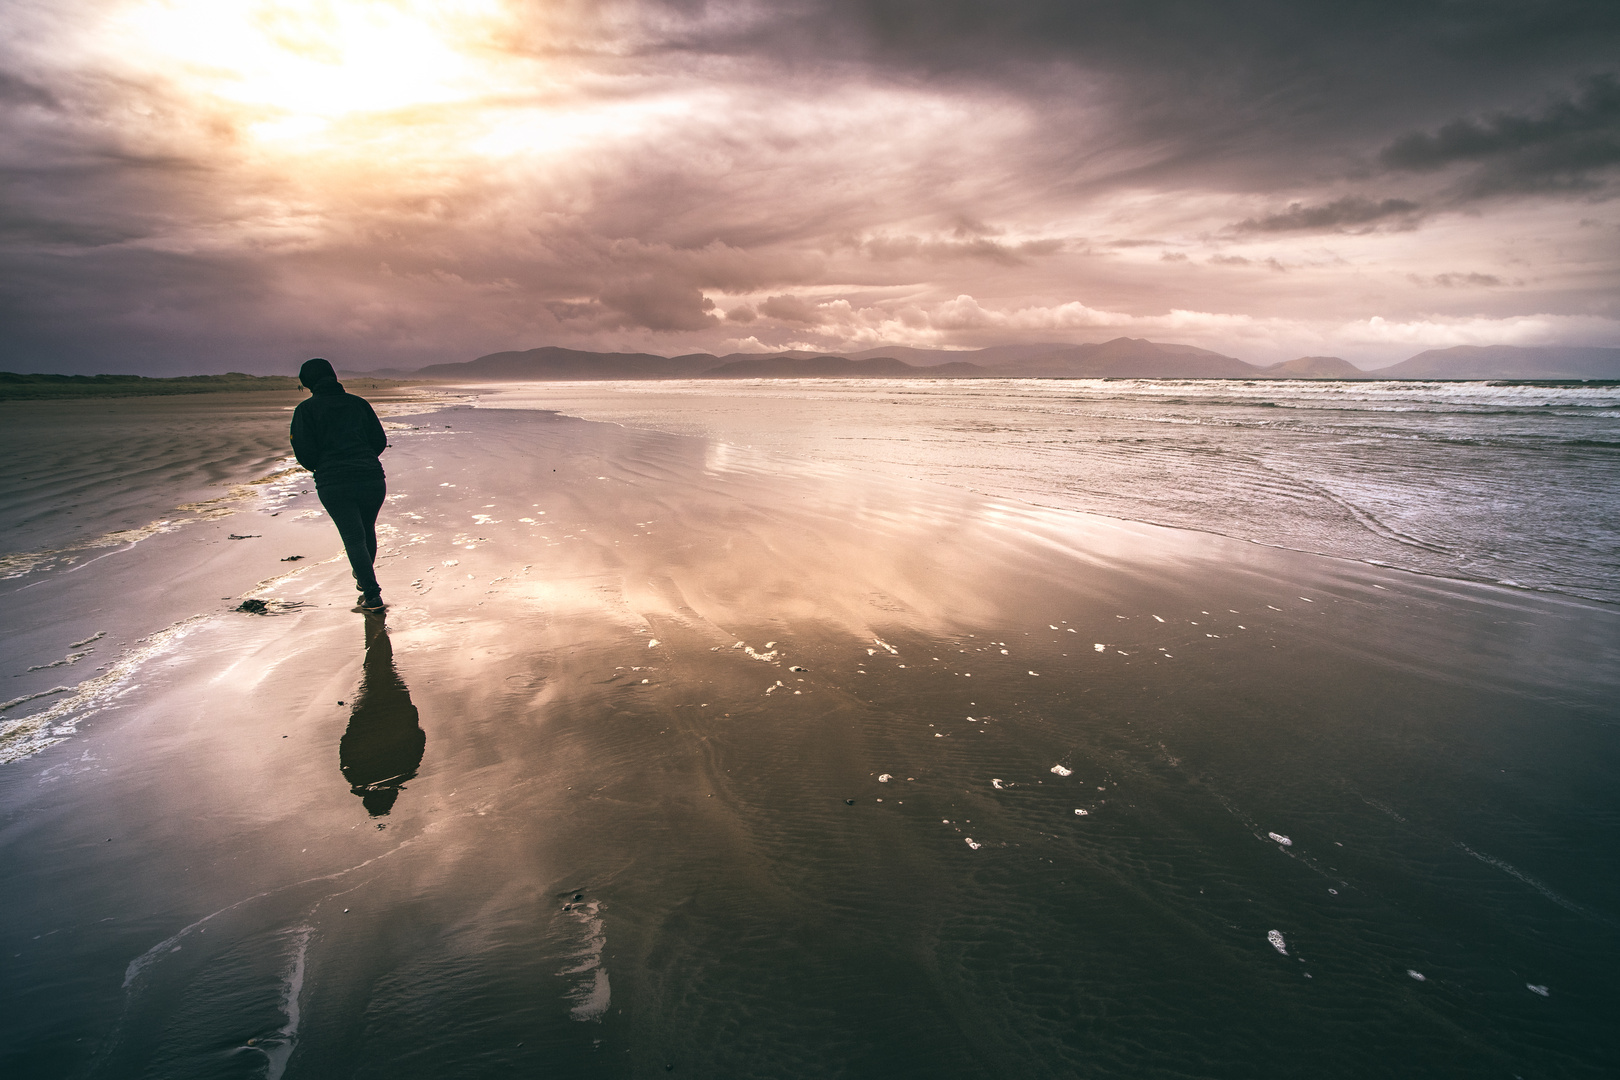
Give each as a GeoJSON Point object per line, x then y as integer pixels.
{"type": "Point", "coordinates": [1119, 358]}
{"type": "Point", "coordinates": [1507, 362]}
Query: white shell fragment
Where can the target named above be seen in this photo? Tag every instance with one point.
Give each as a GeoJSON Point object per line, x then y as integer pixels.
{"type": "Point", "coordinates": [1277, 942]}
{"type": "Point", "coordinates": [1061, 771]}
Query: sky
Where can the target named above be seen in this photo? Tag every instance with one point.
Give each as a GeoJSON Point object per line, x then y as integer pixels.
{"type": "Point", "coordinates": [209, 185]}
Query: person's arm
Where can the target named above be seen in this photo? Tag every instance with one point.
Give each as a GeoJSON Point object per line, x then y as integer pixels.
{"type": "Point", "coordinates": [376, 437]}
{"type": "Point", "coordinates": [306, 448]}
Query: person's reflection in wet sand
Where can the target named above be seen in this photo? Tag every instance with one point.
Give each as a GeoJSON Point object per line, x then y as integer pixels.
{"type": "Point", "coordinates": [382, 747]}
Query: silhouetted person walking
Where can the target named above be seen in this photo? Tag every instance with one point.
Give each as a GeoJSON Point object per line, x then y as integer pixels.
{"type": "Point", "coordinates": [337, 436]}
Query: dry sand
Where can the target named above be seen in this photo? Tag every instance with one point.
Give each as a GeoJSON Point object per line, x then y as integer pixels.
{"type": "Point", "coordinates": [753, 769]}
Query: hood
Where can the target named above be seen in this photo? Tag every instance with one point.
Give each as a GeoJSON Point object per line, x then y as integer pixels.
{"type": "Point", "coordinates": [317, 371]}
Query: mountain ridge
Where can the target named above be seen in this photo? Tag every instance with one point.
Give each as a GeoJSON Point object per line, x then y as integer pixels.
{"type": "Point", "coordinates": [1121, 357]}
{"type": "Point", "coordinates": [1510, 362]}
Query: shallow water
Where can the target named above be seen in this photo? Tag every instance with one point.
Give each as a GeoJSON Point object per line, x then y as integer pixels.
{"type": "Point", "coordinates": [1495, 482]}
{"type": "Point", "coordinates": [606, 793]}
{"type": "Point", "coordinates": [83, 477]}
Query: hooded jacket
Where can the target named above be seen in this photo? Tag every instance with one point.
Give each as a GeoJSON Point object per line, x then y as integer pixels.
{"type": "Point", "coordinates": [335, 435]}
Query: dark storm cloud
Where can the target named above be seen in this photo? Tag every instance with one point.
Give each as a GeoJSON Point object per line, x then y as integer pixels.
{"type": "Point", "coordinates": [1269, 96]}
{"type": "Point", "coordinates": [1254, 42]}
{"type": "Point", "coordinates": [890, 248]}
{"type": "Point", "coordinates": [649, 286]}
{"type": "Point", "coordinates": [1593, 114]}
{"type": "Point", "coordinates": [26, 225]}
{"type": "Point", "coordinates": [69, 312]}
{"type": "Point", "coordinates": [1265, 89]}
{"type": "Point", "coordinates": [966, 238]}
{"type": "Point", "coordinates": [790, 309]}
{"type": "Point", "coordinates": [1347, 213]}
{"type": "Point", "coordinates": [660, 305]}
{"type": "Point", "coordinates": [1258, 80]}
{"type": "Point", "coordinates": [1563, 146]}
{"type": "Point", "coordinates": [1457, 281]}
{"type": "Point", "coordinates": [107, 199]}
{"type": "Point", "coordinates": [74, 176]}
{"type": "Point", "coordinates": [17, 91]}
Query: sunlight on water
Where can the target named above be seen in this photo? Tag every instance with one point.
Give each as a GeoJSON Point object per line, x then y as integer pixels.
{"type": "Point", "coordinates": [1510, 483]}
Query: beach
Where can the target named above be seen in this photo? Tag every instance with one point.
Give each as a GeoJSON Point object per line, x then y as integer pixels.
{"type": "Point", "coordinates": [680, 755]}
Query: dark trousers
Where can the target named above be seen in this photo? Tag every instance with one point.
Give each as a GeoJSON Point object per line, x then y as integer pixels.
{"type": "Point", "coordinates": [353, 506]}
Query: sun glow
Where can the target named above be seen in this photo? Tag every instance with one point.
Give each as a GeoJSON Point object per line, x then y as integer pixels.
{"type": "Point", "coordinates": [293, 67]}
{"type": "Point", "coordinates": [385, 86]}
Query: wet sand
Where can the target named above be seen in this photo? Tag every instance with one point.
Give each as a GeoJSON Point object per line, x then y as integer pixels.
{"type": "Point", "coordinates": [673, 757]}
{"type": "Point", "coordinates": [90, 475]}
{"type": "Point", "coordinates": [123, 525]}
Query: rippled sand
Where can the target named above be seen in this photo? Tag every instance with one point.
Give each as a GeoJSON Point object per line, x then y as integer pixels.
{"type": "Point", "coordinates": [671, 756]}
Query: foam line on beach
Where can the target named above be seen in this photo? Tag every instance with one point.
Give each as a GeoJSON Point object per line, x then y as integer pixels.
{"type": "Point", "coordinates": [34, 697]}
{"type": "Point", "coordinates": [141, 963]}
{"type": "Point", "coordinates": [285, 1039]}
{"type": "Point", "coordinates": [1365, 518]}
{"type": "Point", "coordinates": [593, 993]}
{"type": "Point", "coordinates": [28, 735]}
{"type": "Point", "coordinates": [277, 1049]}
{"type": "Point", "coordinates": [264, 586]}
{"type": "Point", "coordinates": [22, 563]}
{"type": "Point", "coordinates": [67, 661]}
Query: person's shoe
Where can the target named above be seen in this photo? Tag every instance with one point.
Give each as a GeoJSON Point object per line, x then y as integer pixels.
{"type": "Point", "coordinates": [373, 605]}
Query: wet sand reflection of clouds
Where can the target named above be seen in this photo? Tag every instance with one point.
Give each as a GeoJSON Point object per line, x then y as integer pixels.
{"type": "Point", "coordinates": [185, 882]}
{"type": "Point", "coordinates": [383, 745]}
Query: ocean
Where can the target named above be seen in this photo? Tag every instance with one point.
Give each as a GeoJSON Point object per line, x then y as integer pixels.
{"type": "Point", "coordinates": [1513, 483]}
